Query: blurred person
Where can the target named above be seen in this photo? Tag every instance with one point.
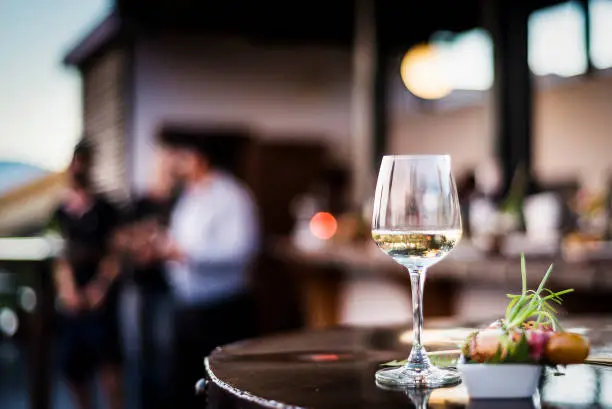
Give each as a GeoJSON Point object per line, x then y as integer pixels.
{"type": "Point", "coordinates": [146, 303]}
{"type": "Point", "coordinates": [488, 180]}
{"type": "Point", "coordinates": [212, 238]}
{"type": "Point", "coordinates": [466, 186]}
{"type": "Point", "coordinates": [467, 190]}
{"type": "Point", "coordinates": [85, 275]}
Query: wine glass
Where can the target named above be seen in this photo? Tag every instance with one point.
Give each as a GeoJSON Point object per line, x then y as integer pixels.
{"type": "Point", "coordinates": [417, 221]}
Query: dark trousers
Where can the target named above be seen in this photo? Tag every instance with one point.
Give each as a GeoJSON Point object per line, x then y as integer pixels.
{"type": "Point", "coordinates": [198, 330]}
{"type": "Point", "coordinates": [88, 341]}
{"type": "Point", "coordinates": [155, 348]}
{"type": "Point", "coordinates": [147, 335]}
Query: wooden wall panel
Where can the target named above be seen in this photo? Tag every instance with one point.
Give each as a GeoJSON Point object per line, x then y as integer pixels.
{"type": "Point", "coordinates": [104, 120]}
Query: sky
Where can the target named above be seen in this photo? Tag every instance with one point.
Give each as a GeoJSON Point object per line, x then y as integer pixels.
{"type": "Point", "coordinates": [40, 114]}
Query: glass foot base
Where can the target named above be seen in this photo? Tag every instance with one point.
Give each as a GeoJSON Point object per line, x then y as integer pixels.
{"type": "Point", "coordinates": [407, 377]}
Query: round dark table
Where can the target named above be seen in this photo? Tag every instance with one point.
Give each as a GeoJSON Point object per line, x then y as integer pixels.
{"type": "Point", "coordinates": [334, 369]}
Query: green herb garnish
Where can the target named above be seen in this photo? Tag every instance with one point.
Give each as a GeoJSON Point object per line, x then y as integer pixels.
{"type": "Point", "coordinates": [533, 304]}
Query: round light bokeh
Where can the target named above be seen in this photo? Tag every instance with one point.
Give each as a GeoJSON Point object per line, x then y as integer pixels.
{"type": "Point", "coordinates": [9, 323]}
{"type": "Point", "coordinates": [27, 299]}
{"type": "Point", "coordinates": [423, 74]}
{"type": "Point", "coordinates": [323, 225]}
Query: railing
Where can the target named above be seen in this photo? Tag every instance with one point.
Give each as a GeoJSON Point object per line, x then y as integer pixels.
{"type": "Point", "coordinates": [28, 305]}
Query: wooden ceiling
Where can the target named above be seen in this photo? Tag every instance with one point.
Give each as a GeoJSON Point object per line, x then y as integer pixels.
{"type": "Point", "coordinates": [402, 22]}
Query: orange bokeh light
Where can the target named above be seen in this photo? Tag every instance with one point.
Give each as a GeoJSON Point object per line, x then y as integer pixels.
{"type": "Point", "coordinates": [323, 225]}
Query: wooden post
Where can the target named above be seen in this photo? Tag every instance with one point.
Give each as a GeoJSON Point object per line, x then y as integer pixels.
{"type": "Point", "coordinates": [40, 339]}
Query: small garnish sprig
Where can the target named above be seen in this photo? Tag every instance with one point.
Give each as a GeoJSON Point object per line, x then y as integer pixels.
{"type": "Point", "coordinates": [533, 304]}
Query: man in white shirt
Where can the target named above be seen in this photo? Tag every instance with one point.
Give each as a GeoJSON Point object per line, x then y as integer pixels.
{"type": "Point", "coordinates": [212, 239]}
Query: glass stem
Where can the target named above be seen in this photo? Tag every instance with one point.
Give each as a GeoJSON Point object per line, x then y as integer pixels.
{"type": "Point", "coordinates": [418, 356]}
{"type": "Point", "coordinates": [419, 397]}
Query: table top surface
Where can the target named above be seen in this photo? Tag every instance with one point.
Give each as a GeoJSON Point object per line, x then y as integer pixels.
{"type": "Point", "coordinates": [335, 369]}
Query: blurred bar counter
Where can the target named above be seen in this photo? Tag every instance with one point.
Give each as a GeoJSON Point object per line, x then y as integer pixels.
{"type": "Point", "coordinates": [322, 273]}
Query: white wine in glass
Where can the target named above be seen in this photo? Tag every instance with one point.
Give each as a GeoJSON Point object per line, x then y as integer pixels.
{"type": "Point", "coordinates": [416, 221]}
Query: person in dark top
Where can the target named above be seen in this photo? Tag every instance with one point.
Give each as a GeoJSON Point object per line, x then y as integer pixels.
{"type": "Point", "coordinates": [146, 218]}
{"type": "Point", "coordinates": [87, 298]}
{"type": "Point", "coordinates": [146, 303]}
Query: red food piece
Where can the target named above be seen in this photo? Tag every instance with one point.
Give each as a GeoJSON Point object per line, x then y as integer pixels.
{"type": "Point", "coordinates": [537, 340]}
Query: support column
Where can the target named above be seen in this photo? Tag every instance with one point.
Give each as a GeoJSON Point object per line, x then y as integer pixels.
{"type": "Point", "coordinates": [362, 96]}
{"type": "Point", "coordinates": [380, 107]}
{"type": "Point", "coordinates": [513, 89]}
{"type": "Point", "coordinates": [586, 9]}
{"type": "Point", "coordinates": [369, 125]}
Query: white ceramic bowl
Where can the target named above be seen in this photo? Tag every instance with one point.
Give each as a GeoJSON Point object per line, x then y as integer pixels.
{"type": "Point", "coordinates": [501, 381]}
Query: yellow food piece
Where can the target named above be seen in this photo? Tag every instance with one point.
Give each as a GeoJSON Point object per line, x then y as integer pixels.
{"type": "Point", "coordinates": [565, 348]}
